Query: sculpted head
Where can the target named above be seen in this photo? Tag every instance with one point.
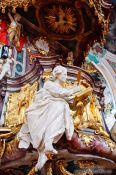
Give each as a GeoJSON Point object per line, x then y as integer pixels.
{"type": "Point", "coordinates": [60, 73]}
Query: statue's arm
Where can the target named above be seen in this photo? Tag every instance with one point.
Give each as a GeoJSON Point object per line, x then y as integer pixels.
{"type": "Point", "coordinates": [10, 17]}
{"type": "Point", "coordinates": [57, 91]}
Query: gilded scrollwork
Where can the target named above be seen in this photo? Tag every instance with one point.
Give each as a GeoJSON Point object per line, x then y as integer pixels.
{"type": "Point", "coordinates": [85, 109]}
{"type": "Point", "coordinates": [47, 74]}
{"type": "Point", "coordinates": [32, 171]}
{"type": "Point", "coordinates": [17, 104]}
{"type": "Point", "coordinates": [6, 134]}
{"type": "Point", "coordinates": [49, 169]}
{"type": "Point", "coordinates": [87, 139]}
{"type": "Point", "coordinates": [66, 172]}
{"type": "Point", "coordinates": [111, 144]}
{"type": "Point", "coordinates": [86, 163]}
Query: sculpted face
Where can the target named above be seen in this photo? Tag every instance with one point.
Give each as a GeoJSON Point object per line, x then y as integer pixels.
{"type": "Point", "coordinates": [62, 77]}
{"type": "Point", "coordinates": [60, 73]}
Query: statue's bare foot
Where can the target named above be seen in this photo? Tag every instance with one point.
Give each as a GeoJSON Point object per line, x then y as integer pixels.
{"type": "Point", "coordinates": [49, 149]}
{"type": "Point", "coordinates": [41, 161]}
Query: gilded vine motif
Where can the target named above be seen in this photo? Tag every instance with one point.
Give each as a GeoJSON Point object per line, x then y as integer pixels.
{"type": "Point", "coordinates": [81, 172]}
{"type": "Point", "coordinates": [17, 104]}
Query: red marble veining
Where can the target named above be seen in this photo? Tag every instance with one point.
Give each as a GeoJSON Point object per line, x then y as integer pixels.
{"type": "Point", "coordinates": [98, 146]}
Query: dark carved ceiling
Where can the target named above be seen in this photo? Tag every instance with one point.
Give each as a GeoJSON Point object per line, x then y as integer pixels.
{"type": "Point", "coordinates": [74, 24]}
{"type": "Point", "coordinates": [111, 36]}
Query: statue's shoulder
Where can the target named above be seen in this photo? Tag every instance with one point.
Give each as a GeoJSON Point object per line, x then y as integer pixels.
{"type": "Point", "coordinates": [48, 83]}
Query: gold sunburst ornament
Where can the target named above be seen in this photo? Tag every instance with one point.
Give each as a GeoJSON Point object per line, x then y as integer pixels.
{"type": "Point", "coordinates": [61, 19]}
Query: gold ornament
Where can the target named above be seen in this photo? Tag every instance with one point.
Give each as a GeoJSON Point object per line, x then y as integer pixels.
{"type": "Point", "coordinates": [14, 4]}
{"type": "Point", "coordinates": [99, 12]}
{"type": "Point", "coordinates": [17, 104]}
{"type": "Point", "coordinates": [49, 169]}
{"type": "Point", "coordinates": [86, 163]}
{"type": "Point", "coordinates": [66, 172]}
{"type": "Point", "coordinates": [86, 138]}
{"type": "Point", "coordinates": [9, 134]}
{"type": "Point", "coordinates": [61, 20]}
{"type": "Point", "coordinates": [110, 143]}
{"type": "Point", "coordinates": [47, 74]}
{"type": "Point", "coordinates": [32, 171]}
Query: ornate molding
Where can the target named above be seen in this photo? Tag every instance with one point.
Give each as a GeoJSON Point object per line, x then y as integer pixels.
{"type": "Point", "coordinates": [14, 84]}
{"type": "Point", "coordinates": [14, 4]}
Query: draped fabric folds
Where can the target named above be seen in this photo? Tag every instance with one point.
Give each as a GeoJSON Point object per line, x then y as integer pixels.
{"type": "Point", "coordinates": [48, 118]}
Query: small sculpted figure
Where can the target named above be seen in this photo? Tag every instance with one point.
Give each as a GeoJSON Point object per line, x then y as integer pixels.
{"type": "Point", "coordinates": [5, 65]}
{"type": "Point", "coordinates": [14, 29]}
{"type": "Point", "coordinates": [5, 52]}
{"type": "Point", "coordinates": [6, 68]}
{"type": "Point", "coordinates": [48, 118]}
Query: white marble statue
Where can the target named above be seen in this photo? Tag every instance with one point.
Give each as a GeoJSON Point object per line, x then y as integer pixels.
{"type": "Point", "coordinates": [48, 118]}
{"type": "Point", "coordinates": [6, 68]}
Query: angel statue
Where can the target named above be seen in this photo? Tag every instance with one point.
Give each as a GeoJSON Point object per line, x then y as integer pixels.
{"type": "Point", "coordinates": [14, 29]}
{"type": "Point", "coordinates": [48, 118]}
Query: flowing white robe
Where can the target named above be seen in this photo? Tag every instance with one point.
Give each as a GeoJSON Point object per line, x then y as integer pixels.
{"type": "Point", "coordinates": [48, 118]}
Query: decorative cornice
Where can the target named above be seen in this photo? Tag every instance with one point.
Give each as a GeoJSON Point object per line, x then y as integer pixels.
{"type": "Point", "coordinates": [14, 84]}
{"type": "Point", "coordinates": [14, 4]}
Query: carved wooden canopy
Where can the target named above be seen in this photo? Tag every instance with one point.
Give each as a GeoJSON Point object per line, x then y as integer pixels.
{"type": "Point", "coordinates": [78, 23]}
{"type": "Point", "coordinates": [82, 22]}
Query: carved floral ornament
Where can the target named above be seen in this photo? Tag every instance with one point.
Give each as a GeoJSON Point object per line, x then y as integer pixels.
{"type": "Point", "coordinates": [99, 5]}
